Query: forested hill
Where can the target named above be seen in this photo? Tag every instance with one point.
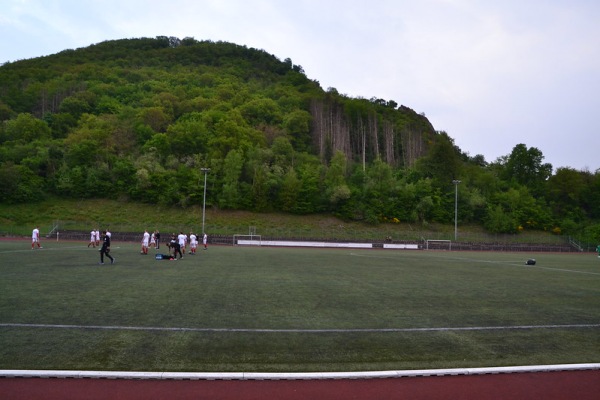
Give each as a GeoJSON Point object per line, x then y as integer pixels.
{"type": "Point", "coordinates": [165, 79]}
{"type": "Point", "coordinates": [137, 119]}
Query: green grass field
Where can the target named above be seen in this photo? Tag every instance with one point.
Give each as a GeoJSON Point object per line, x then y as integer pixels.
{"type": "Point", "coordinates": [242, 309]}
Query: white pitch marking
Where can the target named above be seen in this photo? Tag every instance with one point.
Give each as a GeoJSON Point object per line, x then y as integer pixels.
{"type": "Point", "coordinates": [511, 263]}
{"type": "Point", "coordinates": [52, 249]}
{"type": "Point", "coordinates": [265, 330]}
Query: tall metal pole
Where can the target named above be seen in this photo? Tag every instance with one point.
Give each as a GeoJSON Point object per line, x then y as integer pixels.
{"type": "Point", "coordinates": [205, 170]}
{"type": "Point", "coordinates": [456, 182]}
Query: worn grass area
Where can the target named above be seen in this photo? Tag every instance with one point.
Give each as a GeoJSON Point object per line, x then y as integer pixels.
{"type": "Point", "coordinates": [286, 309]}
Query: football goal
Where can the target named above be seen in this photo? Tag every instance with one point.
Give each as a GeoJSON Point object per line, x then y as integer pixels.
{"type": "Point", "coordinates": [247, 240]}
{"type": "Point", "coordinates": [438, 244]}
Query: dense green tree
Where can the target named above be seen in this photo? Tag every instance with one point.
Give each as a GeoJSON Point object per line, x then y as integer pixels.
{"type": "Point", "coordinates": [379, 185]}
{"type": "Point", "coordinates": [297, 125]}
{"type": "Point", "coordinates": [159, 146]}
{"type": "Point", "coordinates": [122, 176]}
{"type": "Point", "coordinates": [442, 164]}
{"type": "Point", "coordinates": [189, 135]}
{"type": "Point", "coordinates": [60, 124]}
{"type": "Point", "coordinates": [18, 184]}
{"type": "Point", "coordinates": [310, 194]}
{"type": "Point", "coordinates": [71, 181]}
{"type": "Point", "coordinates": [232, 171]}
{"type": "Point", "coordinates": [428, 199]}
{"type": "Point", "coordinates": [78, 104]}
{"type": "Point", "coordinates": [6, 112]}
{"type": "Point", "coordinates": [261, 111]}
{"type": "Point", "coordinates": [565, 190]}
{"type": "Point", "coordinates": [81, 154]}
{"type": "Point", "coordinates": [290, 192]}
{"type": "Point", "coordinates": [137, 118]}
{"type": "Point", "coordinates": [522, 207]}
{"type": "Point", "coordinates": [336, 188]}
{"type": "Point", "coordinates": [156, 118]}
{"type": "Point", "coordinates": [590, 197]}
{"type": "Point", "coordinates": [26, 128]}
{"type": "Point", "coordinates": [499, 221]}
{"type": "Point", "coordinates": [283, 152]}
{"type": "Point", "coordinates": [525, 166]}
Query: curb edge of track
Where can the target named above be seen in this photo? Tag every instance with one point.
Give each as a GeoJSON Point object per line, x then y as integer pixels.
{"type": "Point", "coordinates": [292, 375]}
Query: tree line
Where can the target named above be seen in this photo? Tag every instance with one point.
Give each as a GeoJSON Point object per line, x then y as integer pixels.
{"type": "Point", "coordinates": [137, 119]}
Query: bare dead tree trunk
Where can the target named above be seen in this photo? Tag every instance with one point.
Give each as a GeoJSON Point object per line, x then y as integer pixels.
{"type": "Point", "coordinates": [388, 136]}
{"type": "Point", "coordinates": [412, 146]}
{"type": "Point", "coordinates": [374, 134]}
{"type": "Point", "coordinates": [341, 132]}
{"type": "Point", "coordinates": [406, 147]}
{"type": "Point", "coordinates": [318, 134]}
{"type": "Point", "coordinates": [364, 148]}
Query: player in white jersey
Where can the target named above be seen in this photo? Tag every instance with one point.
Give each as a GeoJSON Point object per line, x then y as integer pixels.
{"type": "Point", "coordinates": [152, 240]}
{"type": "Point", "coordinates": [35, 238]}
{"type": "Point", "coordinates": [182, 239]}
{"type": "Point", "coordinates": [92, 238]}
{"type": "Point", "coordinates": [193, 243]}
{"type": "Point", "coordinates": [145, 240]}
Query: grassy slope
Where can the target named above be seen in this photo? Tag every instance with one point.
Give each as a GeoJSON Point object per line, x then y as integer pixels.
{"type": "Point", "coordinates": [83, 215]}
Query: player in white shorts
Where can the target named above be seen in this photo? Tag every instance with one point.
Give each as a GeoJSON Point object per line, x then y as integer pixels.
{"type": "Point", "coordinates": [152, 240]}
{"type": "Point", "coordinates": [182, 239]}
{"type": "Point", "coordinates": [92, 238]}
{"type": "Point", "coordinates": [145, 240]}
{"type": "Point", "coordinates": [35, 238]}
{"type": "Point", "coordinates": [193, 243]}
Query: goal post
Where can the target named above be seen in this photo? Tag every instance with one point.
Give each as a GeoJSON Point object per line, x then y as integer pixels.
{"type": "Point", "coordinates": [251, 239]}
{"type": "Point", "coordinates": [438, 244]}
{"type": "Point", "coordinates": [247, 240]}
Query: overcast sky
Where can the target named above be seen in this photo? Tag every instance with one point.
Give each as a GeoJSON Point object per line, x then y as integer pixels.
{"type": "Point", "coordinates": [492, 74]}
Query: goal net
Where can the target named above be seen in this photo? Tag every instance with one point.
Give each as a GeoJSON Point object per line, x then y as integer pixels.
{"type": "Point", "coordinates": [437, 244]}
{"type": "Point", "coordinates": [247, 240]}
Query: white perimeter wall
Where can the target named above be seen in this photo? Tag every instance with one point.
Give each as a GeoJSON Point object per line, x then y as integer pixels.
{"type": "Point", "coordinates": [289, 243]}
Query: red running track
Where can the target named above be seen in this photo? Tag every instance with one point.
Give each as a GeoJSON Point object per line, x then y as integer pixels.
{"type": "Point", "coordinates": [557, 385]}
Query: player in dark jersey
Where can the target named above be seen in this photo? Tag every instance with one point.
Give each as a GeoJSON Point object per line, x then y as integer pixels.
{"type": "Point", "coordinates": [175, 247]}
{"type": "Point", "coordinates": [105, 249]}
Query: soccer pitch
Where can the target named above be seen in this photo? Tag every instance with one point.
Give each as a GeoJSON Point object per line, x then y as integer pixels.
{"type": "Point", "coordinates": [244, 309]}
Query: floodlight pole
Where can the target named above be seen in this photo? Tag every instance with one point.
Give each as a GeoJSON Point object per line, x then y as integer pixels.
{"type": "Point", "coordinates": [455, 182]}
{"type": "Point", "coordinates": [205, 170]}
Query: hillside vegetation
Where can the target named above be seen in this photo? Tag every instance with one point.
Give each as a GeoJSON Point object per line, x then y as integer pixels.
{"type": "Point", "coordinates": [150, 120]}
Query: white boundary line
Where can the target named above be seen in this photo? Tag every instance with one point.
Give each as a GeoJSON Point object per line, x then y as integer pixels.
{"type": "Point", "coordinates": [501, 263]}
{"type": "Point", "coordinates": [45, 249]}
{"type": "Point", "coordinates": [291, 375]}
{"type": "Point", "coordinates": [515, 264]}
{"type": "Point", "coordinates": [266, 330]}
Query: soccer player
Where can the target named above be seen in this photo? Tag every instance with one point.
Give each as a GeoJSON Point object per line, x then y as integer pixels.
{"type": "Point", "coordinates": [193, 243]}
{"type": "Point", "coordinates": [105, 249]}
{"type": "Point", "coordinates": [204, 241]}
{"type": "Point", "coordinates": [153, 240]}
{"type": "Point", "coordinates": [182, 238]}
{"type": "Point", "coordinates": [157, 236]}
{"type": "Point", "coordinates": [35, 238]}
{"type": "Point", "coordinates": [145, 239]}
{"type": "Point", "coordinates": [175, 247]}
{"type": "Point", "coordinates": [92, 238]}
